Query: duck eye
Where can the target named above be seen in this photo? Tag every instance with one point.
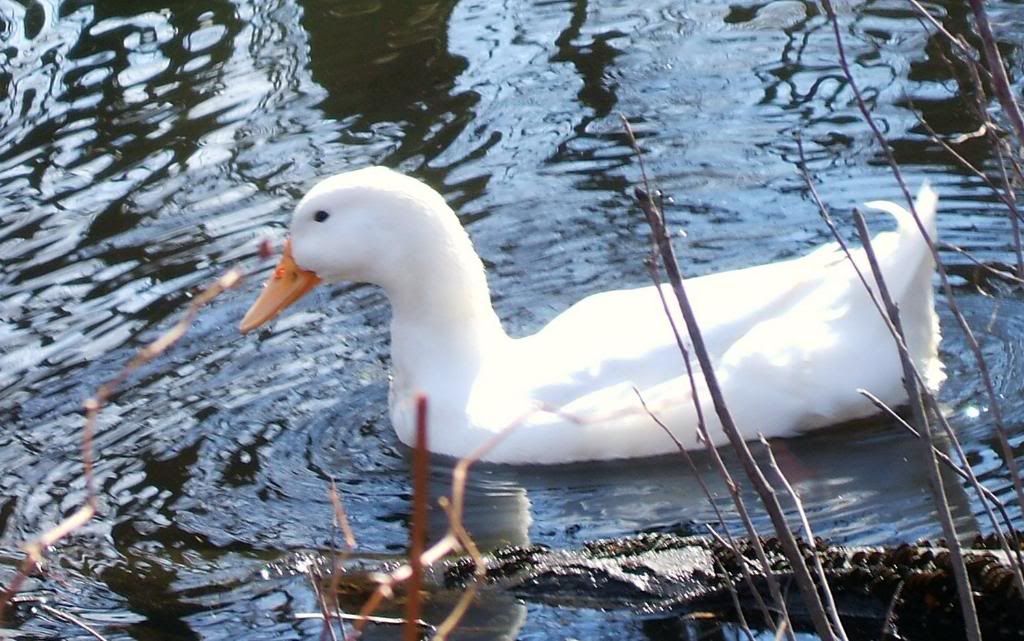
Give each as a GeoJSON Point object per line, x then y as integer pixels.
{"type": "Point", "coordinates": [321, 216]}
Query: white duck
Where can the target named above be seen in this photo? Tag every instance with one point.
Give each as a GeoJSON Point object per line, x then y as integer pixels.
{"type": "Point", "coordinates": [792, 341]}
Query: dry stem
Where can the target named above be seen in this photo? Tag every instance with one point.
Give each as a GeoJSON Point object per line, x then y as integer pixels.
{"type": "Point", "coordinates": [921, 385]}
{"type": "Point", "coordinates": [972, 342]}
{"type": "Point", "coordinates": [36, 550]}
{"type": "Point", "coordinates": [455, 538]}
{"type": "Point", "coordinates": [733, 487]}
{"type": "Point", "coordinates": [801, 573]}
{"type": "Point", "coordinates": [418, 531]}
{"type": "Point", "coordinates": [916, 402]}
{"type": "Point", "coordinates": [341, 520]}
{"type": "Point", "coordinates": [731, 543]}
{"type": "Point", "coordinates": [830, 602]}
{"type": "Point", "coordinates": [997, 68]}
{"type": "Point", "coordinates": [1014, 557]}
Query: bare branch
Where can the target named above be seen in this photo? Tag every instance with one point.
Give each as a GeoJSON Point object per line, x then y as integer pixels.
{"type": "Point", "coordinates": [36, 550]}
{"type": "Point", "coordinates": [830, 602]}
{"type": "Point", "coordinates": [418, 531]}
{"type": "Point", "coordinates": [764, 489]}
{"type": "Point", "coordinates": [916, 402]}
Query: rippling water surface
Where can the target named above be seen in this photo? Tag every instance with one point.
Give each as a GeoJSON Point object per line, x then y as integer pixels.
{"type": "Point", "coordinates": [143, 149]}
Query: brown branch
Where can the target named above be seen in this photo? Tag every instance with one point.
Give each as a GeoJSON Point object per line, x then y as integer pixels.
{"type": "Point", "coordinates": [1007, 451]}
{"type": "Point", "coordinates": [1014, 557]}
{"type": "Point", "coordinates": [35, 551]}
{"type": "Point", "coordinates": [326, 610]}
{"type": "Point", "coordinates": [967, 164]}
{"type": "Point", "coordinates": [889, 622]}
{"type": "Point", "coordinates": [735, 597]}
{"type": "Point", "coordinates": [455, 538]}
{"type": "Point", "coordinates": [998, 273]}
{"type": "Point", "coordinates": [702, 433]}
{"type": "Point", "coordinates": [734, 489]}
{"type": "Point", "coordinates": [341, 519]}
{"type": "Point", "coordinates": [916, 402]}
{"type": "Point", "coordinates": [997, 413]}
{"type": "Point", "coordinates": [1006, 194]}
{"type": "Point", "coordinates": [994, 60]}
{"type": "Point", "coordinates": [922, 386]}
{"type": "Point", "coordinates": [70, 618]}
{"type": "Point", "coordinates": [731, 543]}
{"type": "Point", "coordinates": [830, 602]}
{"type": "Point", "coordinates": [1011, 203]}
{"type": "Point", "coordinates": [418, 531]}
{"type": "Point", "coordinates": [942, 29]}
{"type": "Point", "coordinates": [769, 499]}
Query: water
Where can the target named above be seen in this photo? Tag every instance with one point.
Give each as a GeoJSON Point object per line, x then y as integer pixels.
{"type": "Point", "coordinates": [143, 149]}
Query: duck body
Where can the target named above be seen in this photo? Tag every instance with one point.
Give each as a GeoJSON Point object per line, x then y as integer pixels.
{"type": "Point", "coordinates": [792, 342]}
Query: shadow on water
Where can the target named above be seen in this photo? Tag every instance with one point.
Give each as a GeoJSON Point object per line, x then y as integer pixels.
{"type": "Point", "coordinates": [144, 148]}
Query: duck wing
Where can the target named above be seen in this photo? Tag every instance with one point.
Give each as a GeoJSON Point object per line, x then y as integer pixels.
{"type": "Point", "coordinates": [791, 342]}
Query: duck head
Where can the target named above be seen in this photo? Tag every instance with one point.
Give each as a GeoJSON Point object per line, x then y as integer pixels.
{"type": "Point", "coordinates": [371, 225]}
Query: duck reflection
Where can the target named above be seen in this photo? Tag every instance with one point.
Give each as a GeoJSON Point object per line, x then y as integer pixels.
{"type": "Point", "coordinates": [863, 483]}
{"type": "Point", "coordinates": [868, 477]}
{"type": "Point", "coordinates": [496, 513]}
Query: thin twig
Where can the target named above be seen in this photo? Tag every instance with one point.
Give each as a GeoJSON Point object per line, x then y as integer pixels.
{"type": "Point", "coordinates": [764, 489]}
{"type": "Point", "coordinates": [418, 531]}
{"type": "Point", "coordinates": [702, 432]}
{"type": "Point", "coordinates": [830, 602]}
{"type": "Point", "coordinates": [942, 456]}
{"type": "Point", "coordinates": [732, 486]}
{"type": "Point", "coordinates": [968, 165]}
{"type": "Point", "coordinates": [71, 618]}
{"type": "Point", "coordinates": [922, 385]}
{"type": "Point", "coordinates": [1011, 203]}
{"type": "Point", "coordinates": [455, 538]}
{"type": "Point", "coordinates": [888, 624]}
{"type": "Point", "coordinates": [734, 595]}
{"type": "Point", "coordinates": [942, 29]}
{"type": "Point", "coordinates": [997, 413]}
{"type": "Point", "coordinates": [994, 60]}
{"type": "Point", "coordinates": [365, 618]}
{"type": "Point", "coordinates": [1014, 557]}
{"type": "Point", "coordinates": [731, 543]}
{"type": "Point", "coordinates": [341, 520]}
{"type": "Point", "coordinates": [998, 273]}
{"type": "Point", "coordinates": [827, 217]}
{"type": "Point", "coordinates": [1013, 113]}
{"type": "Point", "coordinates": [341, 517]}
{"type": "Point", "coordinates": [455, 509]}
{"type": "Point", "coordinates": [916, 402]}
{"type": "Point", "coordinates": [327, 631]}
{"type": "Point", "coordinates": [35, 551]}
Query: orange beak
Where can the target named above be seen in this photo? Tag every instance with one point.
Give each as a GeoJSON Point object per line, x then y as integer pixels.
{"type": "Point", "coordinates": [288, 284]}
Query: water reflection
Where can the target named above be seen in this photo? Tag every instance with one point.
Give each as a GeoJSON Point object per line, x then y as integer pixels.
{"type": "Point", "coordinates": [144, 147]}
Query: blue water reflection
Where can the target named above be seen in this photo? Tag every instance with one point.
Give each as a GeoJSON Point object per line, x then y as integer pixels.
{"type": "Point", "coordinates": [144, 148]}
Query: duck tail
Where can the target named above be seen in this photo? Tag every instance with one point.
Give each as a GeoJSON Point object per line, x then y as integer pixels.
{"type": "Point", "coordinates": [909, 270]}
{"type": "Point", "coordinates": [925, 206]}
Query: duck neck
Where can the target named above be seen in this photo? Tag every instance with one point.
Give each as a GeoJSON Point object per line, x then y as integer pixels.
{"type": "Point", "coordinates": [443, 324]}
